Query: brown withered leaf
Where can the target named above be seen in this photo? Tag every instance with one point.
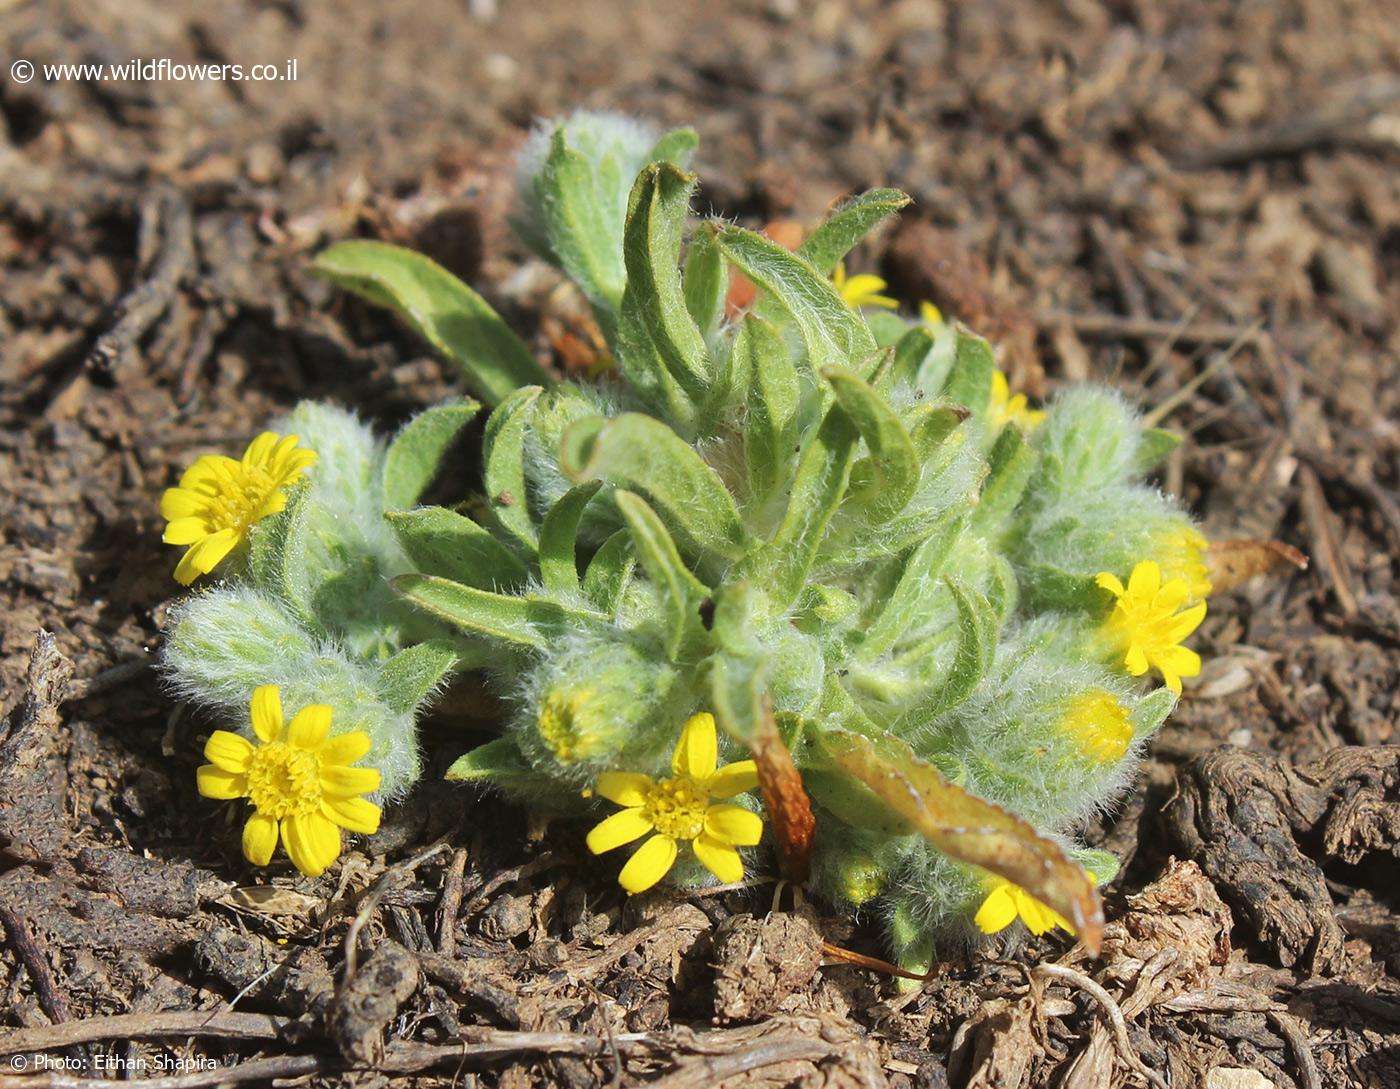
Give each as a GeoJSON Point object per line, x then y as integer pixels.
{"type": "Point", "coordinates": [1233, 562]}
{"type": "Point", "coordinates": [973, 830]}
{"type": "Point", "coordinates": [785, 798]}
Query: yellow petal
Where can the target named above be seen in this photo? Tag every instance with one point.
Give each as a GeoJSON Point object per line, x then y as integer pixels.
{"type": "Point", "coordinates": [720, 859]}
{"type": "Point", "coordinates": [1033, 913]}
{"type": "Point", "coordinates": [312, 842]}
{"type": "Point", "coordinates": [998, 911]}
{"type": "Point", "coordinates": [733, 824]}
{"type": "Point", "coordinates": [1001, 389]}
{"type": "Point", "coordinates": [343, 782]}
{"type": "Point", "coordinates": [184, 531]}
{"type": "Point", "coordinates": [1183, 661]}
{"type": "Point", "coordinates": [228, 752]}
{"type": "Point", "coordinates": [733, 779]}
{"type": "Point", "coordinates": [346, 748]}
{"type": "Point", "coordinates": [176, 503]}
{"type": "Point", "coordinates": [1183, 625]}
{"type": "Point", "coordinates": [1109, 583]}
{"type": "Point", "coordinates": [215, 782]}
{"type": "Point", "coordinates": [1145, 580]}
{"type": "Point", "coordinates": [354, 814]}
{"type": "Point", "coordinates": [697, 753]}
{"type": "Point", "coordinates": [1172, 681]}
{"type": "Point", "coordinates": [1136, 660]}
{"type": "Point", "coordinates": [259, 839]}
{"type": "Point", "coordinates": [648, 864]}
{"type": "Point", "coordinates": [259, 450]}
{"type": "Point", "coordinates": [209, 551]}
{"type": "Point", "coordinates": [624, 787]}
{"type": "Point", "coordinates": [1172, 595]}
{"type": "Point", "coordinates": [620, 828]}
{"type": "Point", "coordinates": [310, 727]}
{"type": "Point", "coordinates": [276, 501]}
{"type": "Point", "coordinates": [930, 313]}
{"type": "Point", "coordinates": [185, 570]}
{"type": "Point", "coordinates": [266, 712]}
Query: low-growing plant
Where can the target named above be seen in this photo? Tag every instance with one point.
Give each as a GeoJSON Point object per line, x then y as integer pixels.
{"type": "Point", "coordinates": [809, 548]}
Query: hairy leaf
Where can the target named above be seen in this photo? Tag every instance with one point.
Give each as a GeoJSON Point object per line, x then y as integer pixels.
{"type": "Point", "coordinates": [844, 228]}
{"type": "Point", "coordinates": [559, 540]}
{"type": "Point", "coordinates": [522, 621]}
{"type": "Point", "coordinates": [681, 591]}
{"type": "Point", "coordinates": [415, 456]}
{"type": "Point", "coordinates": [442, 542]}
{"type": "Point", "coordinates": [503, 449]}
{"type": "Point", "coordinates": [894, 468]}
{"type": "Point", "coordinates": [970, 381]}
{"type": "Point", "coordinates": [608, 572]}
{"type": "Point", "coordinates": [410, 676]}
{"type": "Point", "coordinates": [1011, 463]}
{"type": "Point", "coordinates": [774, 395]}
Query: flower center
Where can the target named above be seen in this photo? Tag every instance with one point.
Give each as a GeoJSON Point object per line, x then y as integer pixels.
{"type": "Point", "coordinates": [240, 495]}
{"type": "Point", "coordinates": [284, 781]}
{"type": "Point", "coordinates": [561, 726]}
{"type": "Point", "coordinates": [676, 807]}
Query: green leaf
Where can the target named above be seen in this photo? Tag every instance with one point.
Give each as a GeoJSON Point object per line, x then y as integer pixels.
{"type": "Point", "coordinates": [832, 331]}
{"type": "Point", "coordinates": [908, 602]}
{"type": "Point", "coordinates": [844, 228]}
{"type": "Point", "coordinates": [445, 312]}
{"type": "Point", "coordinates": [608, 572]}
{"type": "Point", "coordinates": [909, 353]}
{"type": "Point", "coordinates": [503, 449]}
{"type": "Point", "coordinates": [521, 621]}
{"type": "Point", "coordinates": [492, 762]}
{"type": "Point", "coordinates": [641, 453]}
{"type": "Point", "coordinates": [277, 558]}
{"type": "Point", "coordinates": [884, 489]}
{"type": "Point", "coordinates": [970, 381]}
{"type": "Point", "coordinates": [1011, 463]}
{"type": "Point", "coordinates": [853, 803]}
{"type": "Point", "coordinates": [706, 281]}
{"type": "Point", "coordinates": [415, 455]}
{"type": "Point", "coordinates": [676, 146]}
{"type": "Point", "coordinates": [559, 540]}
{"type": "Point", "coordinates": [968, 828]}
{"type": "Point", "coordinates": [1156, 444]}
{"type": "Point", "coordinates": [930, 425]}
{"type": "Point", "coordinates": [823, 471]}
{"type": "Point", "coordinates": [736, 694]}
{"type": "Point", "coordinates": [1151, 711]}
{"type": "Point", "coordinates": [774, 396]}
{"type": "Point", "coordinates": [976, 644]}
{"type": "Point", "coordinates": [442, 542]}
{"type": "Point", "coordinates": [681, 592]}
{"type": "Point", "coordinates": [662, 352]}
{"type": "Point", "coordinates": [411, 675]}
{"type": "Point", "coordinates": [575, 205]}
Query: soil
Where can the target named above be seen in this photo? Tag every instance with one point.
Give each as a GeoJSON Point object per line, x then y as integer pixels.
{"type": "Point", "coordinates": [1199, 203]}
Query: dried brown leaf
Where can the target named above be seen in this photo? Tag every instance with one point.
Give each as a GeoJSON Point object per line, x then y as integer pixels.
{"type": "Point", "coordinates": [1233, 562]}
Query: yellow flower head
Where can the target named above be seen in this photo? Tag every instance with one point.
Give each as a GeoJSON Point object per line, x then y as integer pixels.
{"type": "Point", "coordinates": [219, 499]}
{"type": "Point", "coordinates": [564, 726]}
{"type": "Point", "coordinates": [680, 809]}
{"type": "Point", "coordinates": [931, 315]}
{"type": "Point", "coordinates": [862, 290]}
{"type": "Point", "coordinates": [1100, 724]}
{"type": "Point", "coordinates": [1181, 554]}
{"type": "Point", "coordinates": [1005, 903]}
{"type": "Point", "coordinates": [299, 780]}
{"type": "Point", "coordinates": [1005, 409]}
{"type": "Point", "coordinates": [1147, 627]}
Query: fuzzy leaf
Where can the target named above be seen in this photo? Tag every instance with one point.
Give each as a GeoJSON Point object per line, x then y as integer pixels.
{"type": "Point", "coordinates": [824, 470]}
{"type": "Point", "coordinates": [608, 572]}
{"type": "Point", "coordinates": [774, 395]}
{"type": "Point", "coordinates": [496, 760]}
{"type": "Point", "coordinates": [503, 450]}
{"type": "Point", "coordinates": [909, 600]}
{"type": "Point", "coordinates": [1011, 463]}
{"type": "Point", "coordinates": [277, 558]}
{"type": "Point", "coordinates": [931, 425]}
{"type": "Point", "coordinates": [662, 351]}
{"type": "Point", "coordinates": [559, 540]}
{"type": "Point", "coordinates": [681, 591]}
{"type": "Point", "coordinates": [676, 146]}
{"type": "Point", "coordinates": [976, 644]}
{"type": "Point", "coordinates": [853, 802]}
{"type": "Point", "coordinates": [970, 829]}
{"type": "Point", "coordinates": [442, 542]}
{"type": "Point", "coordinates": [1151, 711]}
{"type": "Point", "coordinates": [522, 621]}
{"type": "Point", "coordinates": [909, 353]}
{"type": "Point", "coordinates": [834, 334]}
{"type": "Point", "coordinates": [643, 454]}
{"type": "Point", "coordinates": [445, 312]}
{"type": "Point", "coordinates": [411, 675]}
{"type": "Point", "coordinates": [1156, 444]}
{"type": "Point", "coordinates": [843, 229]}
{"type": "Point", "coordinates": [705, 282]}
{"type": "Point", "coordinates": [415, 456]}
{"type": "Point", "coordinates": [886, 487]}
{"type": "Point", "coordinates": [970, 381]}
{"type": "Point", "coordinates": [573, 201]}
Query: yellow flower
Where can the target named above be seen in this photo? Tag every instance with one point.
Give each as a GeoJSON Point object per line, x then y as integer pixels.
{"type": "Point", "coordinates": [931, 315]}
{"type": "Point", "coordinates": [563, 724]}
{"type": "Point", "coordinates": [1147, 627]}
{"type": "Point", "coordinates": [219, 499]}
{"type": "Point", "coordinates": [679, 809]}
{"type": "Point", "coordinates": [1005, 903]}
{"type": "Point", "coordinates": [1005, 408]}
{"type": "Point", "coordinates": [299, 780]}
{"type": "Point", "coordinates": [1100, 724]}
{"type": "Point", "coordinates": [862, 290]}
{"type": "Point", "coordinates": [1181, 554]}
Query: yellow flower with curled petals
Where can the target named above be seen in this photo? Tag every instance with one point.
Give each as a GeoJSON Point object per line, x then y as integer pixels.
{"type": "Point", "coordinates": [298, 778]}
{"type": "Point", "coordinates": [680, 809]}
{"type": "Point", "coordinates": [219, 499]}
{"type": "Point", "coordinates": [1146, 626]}
{"type": "Point", "coordinates": [1005, 408]}
{"type": "Point", "coordinates": [1005, 903]}
{"type": "Point", "coordinates": [1100, 724]}
{"type": "Point", "coordinates": [862, 289]}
